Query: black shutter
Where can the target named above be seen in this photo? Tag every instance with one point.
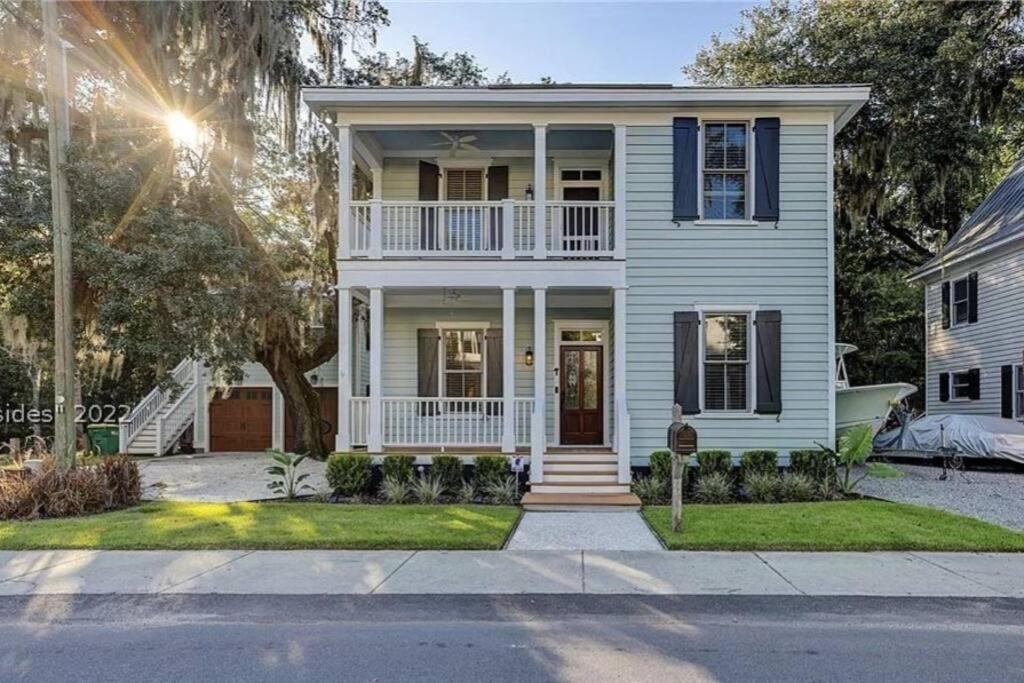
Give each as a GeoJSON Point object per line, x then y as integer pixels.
{"type": "Point", "coordinates": [427, 343]}
{"type": "Point", "coordinates": [769, 362]}
{"type": "Point", "coordinates": [430, 178]}
{"type": "Point", "coordinates": [686, 334]}
{"type": "Point", "coordinates": [495, 366]}
{"type": "Point", "coordinates": [943, 387]}
{"type": "Point", "coordinates": [974, 377]}
{"type": "Point", "coordinates": [1006, 377]}
{"type": "Point", "coordinates": [684, 169]}
{"type": "Point", "coordinates": [766, 169]}
{"type": "Point", "coordinates": [945, 305]}
{"type": "Point", "coordinates": [497, 189]}
{"type": "Point", "coordinates": [972, 298]}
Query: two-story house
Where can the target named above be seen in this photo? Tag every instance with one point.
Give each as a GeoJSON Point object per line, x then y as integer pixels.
{"type": "Point", "coordinates": [547, 270]}
{"type": "Point", "coordinates": [974, 318]}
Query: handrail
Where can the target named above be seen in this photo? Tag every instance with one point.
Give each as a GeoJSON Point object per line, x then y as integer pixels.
{"type": "Point", "coordinates": [149, 407]}
{"type": "Point", "coordinates": [173, 416]}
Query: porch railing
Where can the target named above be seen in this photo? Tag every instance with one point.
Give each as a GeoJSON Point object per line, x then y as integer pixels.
{"type": "Point", "coordinates": [437, 422]}
{"type": "Point", "coordinates": [506, 228]}
{"type": "Point", "coordinates": [149, 407]}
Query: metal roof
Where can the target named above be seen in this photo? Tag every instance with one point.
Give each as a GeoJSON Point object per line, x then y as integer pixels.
{"type": "Point", "coordinates": [998, 220]}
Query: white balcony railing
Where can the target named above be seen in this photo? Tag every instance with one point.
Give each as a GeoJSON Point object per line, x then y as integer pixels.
{"type": "Point", "coordinates": [437, 422]}
{"type": "Point", "coordinates": [505, 229]}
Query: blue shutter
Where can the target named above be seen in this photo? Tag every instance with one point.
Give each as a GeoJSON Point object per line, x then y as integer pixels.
{"type": "Point", "coordinates": [686, 336]}
{"type": "Point", "coordinates": [769, 362]}
{"type": "Point", "coordinates": [766, 169]}
{"type": "Point", "coordinates": [684, 169]}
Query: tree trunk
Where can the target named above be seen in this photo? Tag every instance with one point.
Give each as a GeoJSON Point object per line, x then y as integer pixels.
{"type": "Point", "coordinates": [302, 404]}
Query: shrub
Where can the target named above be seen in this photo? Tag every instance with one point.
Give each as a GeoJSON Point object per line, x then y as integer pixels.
{"type": "Point", "coordinates": [466, 493]}
{"type": "Point", "coordinates": [797, 488]}
{"type": "Point", "coordinates": [650, 490]}
{"type": "Point", "coordinates": [715, 487]}
{"type": "Point", "coordinates": [816, 463]}
{"type": "Point", "coordinates": [394, 491]}
{"type": "Point", "coordinates": [760, 462]}
{"type": "Point", "coordinates": [661, 464]}
{"type": "Point", "coordinates": [490, 469]}
{"type": "Point", "coordinates": [398, 467]}
{"type": "Point", "coordinates": [427, 490]}
{"type": "Point", "coordinates": [762, 487]}
{"type": "Point", "coordinates": [48, 492]}
{"type": "Point", "coordinates": [448, 470]}
{"type": "Point", "coordinates": [502, 491]}
{"type": "Point", "coordinates": [349, 474]}
{"type": "Point", "coordinates": [124, 484]}
{"type": "Point", "coordinates": [709, 462]}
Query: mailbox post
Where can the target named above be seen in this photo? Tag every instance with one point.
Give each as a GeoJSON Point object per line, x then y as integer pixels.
{"type": "Point", "coordinates": [682, 441]}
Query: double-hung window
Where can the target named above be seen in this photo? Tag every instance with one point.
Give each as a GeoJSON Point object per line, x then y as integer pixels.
{"type": "Point", "coordinates": [725, 169]}
{"type": "Point", "coordinates": [960, 385]}
{"type": "Point", "coordinates": [961, 302]}
{"type": "Point", "coordinates": [462, 372]}
{"type": "Point", "coordinates": [727, 362]}
{"type": "Point", "coordinates": [1018, 392]}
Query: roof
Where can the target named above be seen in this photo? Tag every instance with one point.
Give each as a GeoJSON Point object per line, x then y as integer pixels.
{"type": "Point", "coordinates": [998, 221]}
{"type": "Point", "coordinates": [843, 99]}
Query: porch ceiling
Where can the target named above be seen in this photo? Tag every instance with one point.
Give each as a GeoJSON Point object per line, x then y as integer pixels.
{"type": "Point", "coordinates": [490, 140]}
{"type": "Point", "coordinates": [457, 298]}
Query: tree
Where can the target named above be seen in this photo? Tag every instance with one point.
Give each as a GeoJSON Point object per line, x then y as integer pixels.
{"type": "Point", "coordinates": [941, 127]}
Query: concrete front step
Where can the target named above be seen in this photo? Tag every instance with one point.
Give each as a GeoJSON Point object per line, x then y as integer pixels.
{"type": "Point", "coordinates": [586, 478]}
{"type": "Point", "coordinates": [579, 487]}
{"type": "Point", "coordinates": [580, 468]}
{"type": "Point", "coordinates": [575, 502]}
{"type": "Point", "coordinates": [580, 457]}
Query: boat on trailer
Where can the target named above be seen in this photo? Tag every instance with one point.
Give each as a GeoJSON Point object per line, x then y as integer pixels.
{"type": "Point", "coordinates": [870, 404]}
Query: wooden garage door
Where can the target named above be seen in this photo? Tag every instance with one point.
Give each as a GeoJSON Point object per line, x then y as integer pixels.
{"type": "Point", "coordinates": [241, 421]}
{"type": "Point", "coordinates": [328, 420]}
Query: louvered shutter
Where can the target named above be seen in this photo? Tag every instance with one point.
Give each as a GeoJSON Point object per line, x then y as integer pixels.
{"type": "Point", "coordinates": [686, 334]}
{"type": "Point", "coordinates": [972, 298]}
{"type": "Point", "coordinates": [943, 387]}
{"type": "Point", "coordinates": [427, 345]}
{"type": "Point", "coordinates": [1006, 387]}
{"type": "Point", "coordinates": [766, 169]}
{"type": "Point", "coordinates": [430, 177]}
{"type": "Point", "coordinates": [974, 376]}
{"type": "Point", "coordinates": [495, 366]}
{"type": "Point", "coordinates": [684, 169]}
{"type": "Point", "coordinates": [945, 305]}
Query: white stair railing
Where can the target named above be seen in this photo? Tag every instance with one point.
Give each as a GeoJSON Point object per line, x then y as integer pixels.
{"type": "Point", "coordinates": [149, 407]}
{"type": "Point", "coordinates": [172, 422]}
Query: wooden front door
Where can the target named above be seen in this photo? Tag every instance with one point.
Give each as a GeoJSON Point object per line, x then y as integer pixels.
{"type": "Point", "coordinates": [581, 392]}
{"type": "Point", "coordinates": [241, 421]}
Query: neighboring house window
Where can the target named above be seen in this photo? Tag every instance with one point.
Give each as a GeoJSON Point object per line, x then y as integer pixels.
{"type": "Point", "coordinates": [960, 385]}
{"type": "Point", "coordinates": [1018, 391]}
{"type": "Point", "coordinates": [724, 180]}
{"type": "Point", "coordinates": [462, 374]}
{"type": "Point", "coordinates": [726, 362]}
{"type": "Point", "coordinates": [961, 301]}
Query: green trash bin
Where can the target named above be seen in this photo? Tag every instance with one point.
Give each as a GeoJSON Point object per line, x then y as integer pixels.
{"type": "Point", "coordinates": [104, 439]}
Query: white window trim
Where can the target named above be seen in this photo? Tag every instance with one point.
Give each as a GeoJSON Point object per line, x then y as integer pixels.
{"type": "Point", "coordinates": [749, 310]}
{"type": "Point", "coordinates": [441, 360]}
{"type": "Point", "coordinates": [962, 399]}
{"type": "Point", "coordinates": [952, 301]}
{"type": "Point", "coordinates": [748, 218]}
{"type": "Point", "coordinates": [442, 180]}
{"type": "Point", "coordinates": [602, 326]}
{"type": "Point", "coordinates": [560, 185]}
{"type": "Point", "coordinates": [1018, 393]}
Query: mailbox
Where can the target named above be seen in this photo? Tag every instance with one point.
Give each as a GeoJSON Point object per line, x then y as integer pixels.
{"type": "Point", "coordinates": [682, 438]}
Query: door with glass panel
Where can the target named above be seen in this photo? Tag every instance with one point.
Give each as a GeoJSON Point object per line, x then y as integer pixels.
{"type": "Point", "coordinates": [581, 394]}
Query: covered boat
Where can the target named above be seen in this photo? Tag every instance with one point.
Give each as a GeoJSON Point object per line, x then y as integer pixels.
{"type": "Point", "coordinates": [973, 436]}
{"type": "Point", "coordinates": [870, 404]}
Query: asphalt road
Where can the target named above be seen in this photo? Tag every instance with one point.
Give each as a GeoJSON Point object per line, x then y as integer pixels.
{"type": "Point", "coordinates": [481, 638]}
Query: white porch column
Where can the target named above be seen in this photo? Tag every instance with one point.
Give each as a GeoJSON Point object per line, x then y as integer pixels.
{"type": "Point", "coordinates": [538, 423]}
{"type": "Point", "coordinates": [343, 441]}
{"type": "Point", "coordinates": [277, 415]}
{"type": "Point", "coordinates": [508, 369]}
{"type": "Point", "coordinates": [375, 435]}
{"type": "Point", "coordinates": [377, 176]}
{"type": "Point", "coordinates": [621, 407]}
{"type": "Point", "coordinates": [344, 191]}
{"type": "Point", "coordinates": [619, 190]}
{"type": "Point", "coordinates": [540, 189]}
{"type": "Point", "coordinates": [201, 419]}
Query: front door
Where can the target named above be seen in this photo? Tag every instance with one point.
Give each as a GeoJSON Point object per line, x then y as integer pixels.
{"type": "Point", "coordinates": [582, 395]}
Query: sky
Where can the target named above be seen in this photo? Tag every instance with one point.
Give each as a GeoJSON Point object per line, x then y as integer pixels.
{"type": "Point", "coordinates": [580, 42]}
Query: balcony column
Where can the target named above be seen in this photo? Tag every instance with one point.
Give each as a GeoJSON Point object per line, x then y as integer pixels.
{"type": "Point", "coordinates": [622, 434]}
{"type": "Point", "coordinates": [343, 441]}
{"type": "Point", "coordinates": [344, 191]}
{"type": "Point", "coordinates": [538, 422]}
{"type": "Point", "coordinates": [375, 435]}
{"type": "Point", "coordinates": [619, 190]}
{"type": "Point", "coordinates": [508, 369]}
{"type": "Point", "coordinates": [540, 189]}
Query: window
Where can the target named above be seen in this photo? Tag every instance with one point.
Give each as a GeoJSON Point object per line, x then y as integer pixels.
{"type": "Point", "coordinates": [581, 336]}
{"type": "Point", "coordinates": [960, 385]}
{"type": "Point", "coordinates": [573, 174]}
{"type": "Point", "coordinates": [725, 171]}
{"type": "Point", "coordinates": [961, 301]}
{"type": "Point", "coordinates": [463, 368]}
{"type": "Point", "coordinates": [726, 362]}
{"type": "Point", "coordinates": [1018, 392]}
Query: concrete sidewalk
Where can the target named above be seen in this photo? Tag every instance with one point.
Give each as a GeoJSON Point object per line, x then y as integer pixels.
{"type": "Point", "coordinates": [511, 572]}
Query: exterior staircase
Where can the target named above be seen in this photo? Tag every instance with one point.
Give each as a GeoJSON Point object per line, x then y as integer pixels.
{"type": "Point", "coordinates": [154, 426]}
{"type": "Point", "coordinates": [580, 478]}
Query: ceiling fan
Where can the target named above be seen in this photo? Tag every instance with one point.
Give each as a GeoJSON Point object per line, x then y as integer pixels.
{"type": "Point", "coordinates": [457, 142]}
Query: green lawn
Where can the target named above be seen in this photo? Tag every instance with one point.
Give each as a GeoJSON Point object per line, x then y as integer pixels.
{"type": "Point", "coordinates": [182, 526]}
{"type": "Point", "coordinates": [843, 525]}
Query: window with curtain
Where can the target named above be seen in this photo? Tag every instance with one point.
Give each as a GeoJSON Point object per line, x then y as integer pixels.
{"type": "Point", "coordinates": [463, 368]}
{"type": "Point", "coordinates": [726, 362]}
{"type": "Point", "coordinates": [961, 301]}
{"type": "Point", "coordinates": [725, 171]}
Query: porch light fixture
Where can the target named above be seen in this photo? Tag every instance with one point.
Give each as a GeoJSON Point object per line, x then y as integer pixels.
{"type": "Point", "coordinates": [529, 356]}
{"type": "Point", "coordinates": [529, 198]}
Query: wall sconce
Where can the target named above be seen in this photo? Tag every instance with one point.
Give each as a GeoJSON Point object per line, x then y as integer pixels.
{"type": "Point", "coordinates": [529, 192]}
{"type": "Point", "coordinates": [529, 356]}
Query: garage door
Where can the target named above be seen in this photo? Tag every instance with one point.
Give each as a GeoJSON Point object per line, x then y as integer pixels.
{"type": "Point", "coordinates": [241, 421]}
{"type": "Point", "coordinates": [328, 419]}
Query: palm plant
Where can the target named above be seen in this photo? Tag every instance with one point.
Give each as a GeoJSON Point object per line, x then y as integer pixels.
{"type": "Point", "coordinates": [286, 480]}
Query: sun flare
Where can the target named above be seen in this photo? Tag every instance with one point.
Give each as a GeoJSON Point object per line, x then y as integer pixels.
{"type": "Point", "coordinates": [182, 129]}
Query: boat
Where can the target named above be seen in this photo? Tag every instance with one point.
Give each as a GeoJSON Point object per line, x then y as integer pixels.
{"type": "Point", "coordinates": [871, 404]}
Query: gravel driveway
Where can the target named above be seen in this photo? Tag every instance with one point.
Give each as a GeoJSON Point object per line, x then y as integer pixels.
{"type": "Point", "coordinates": [216, 477]}
{"type": "Point", "coordinates": [992, 496]}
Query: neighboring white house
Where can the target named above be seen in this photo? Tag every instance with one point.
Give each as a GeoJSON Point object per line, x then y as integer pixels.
{"type": "Point", "coordinates": [542, 269]}
{"type": "Point", "coordinates": [974, 310]}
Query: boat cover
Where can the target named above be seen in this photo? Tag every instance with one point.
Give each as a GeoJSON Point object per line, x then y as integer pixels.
{"type": "Point", "coordinates": [976, 436]}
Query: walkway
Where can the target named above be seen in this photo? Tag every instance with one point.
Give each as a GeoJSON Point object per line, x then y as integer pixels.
{"type": "Point", "coordinates": [583, 531]}
{"type": "Point", "coordinates": [511, 572]}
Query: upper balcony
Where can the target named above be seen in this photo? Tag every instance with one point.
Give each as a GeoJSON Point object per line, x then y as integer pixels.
{"type": "Point", "coordinates": [490, 192]}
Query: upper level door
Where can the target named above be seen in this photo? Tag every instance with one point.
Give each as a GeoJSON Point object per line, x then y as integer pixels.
{"type": "Point", "coordinates": [581, 392]}
{"type": "Point", "coordinates": [580, 224]}
{"type": "Point", "coordinates": [464, 223]}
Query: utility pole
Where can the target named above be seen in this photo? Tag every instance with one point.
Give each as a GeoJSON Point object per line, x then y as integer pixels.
{"type": "Point", "coordinates": [63, 321]}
